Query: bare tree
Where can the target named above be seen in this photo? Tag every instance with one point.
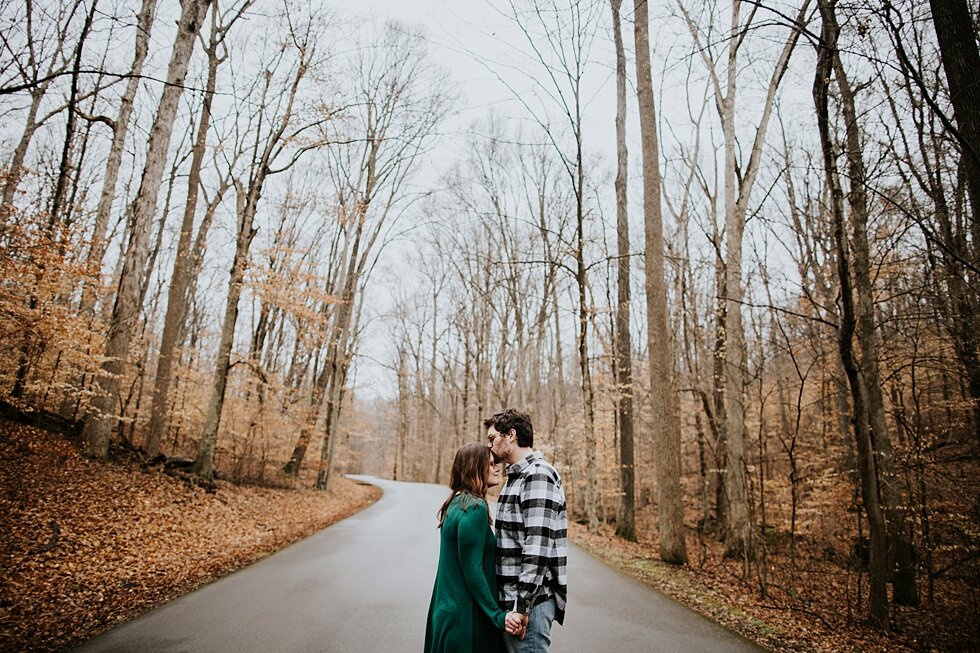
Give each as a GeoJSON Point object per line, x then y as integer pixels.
{"type": "Point", "coordinates": [739, 183]}
{"type": "Point", "coordinates": [827, 66]}
{"type": "Point", "coordinates": [663, 397]}
{"type": "Point", "coordinates": [626, 522]}
{"type": "Point", "coordinates": [400, 102]}
{"type": "Point", "coordinates": [58, 198]}
{"type": "Point", "coordinates": [183, 262]}
{"type": "Point", "coordinates": [100, 416]}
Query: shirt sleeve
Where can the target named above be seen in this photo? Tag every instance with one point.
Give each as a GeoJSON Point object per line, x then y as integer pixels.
{"type": "Point", "coordinates": [472, 540]}
{"type": "Point", "coordinates": [540, 507]}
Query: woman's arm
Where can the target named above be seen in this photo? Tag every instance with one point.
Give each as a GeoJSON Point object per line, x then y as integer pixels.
{"type": "Point", "coordinates": [472, 540]}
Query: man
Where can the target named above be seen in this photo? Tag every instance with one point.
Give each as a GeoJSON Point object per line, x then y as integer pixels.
{"type": "Point", "coordinates": [532, 532]}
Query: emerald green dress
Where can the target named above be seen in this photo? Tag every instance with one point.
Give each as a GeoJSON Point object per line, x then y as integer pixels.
{"type": "Point", "coordinates": [463, 614]}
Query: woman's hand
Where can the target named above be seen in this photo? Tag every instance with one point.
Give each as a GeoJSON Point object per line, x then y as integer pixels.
{"type": "Point", "coordinates": [515, 624]}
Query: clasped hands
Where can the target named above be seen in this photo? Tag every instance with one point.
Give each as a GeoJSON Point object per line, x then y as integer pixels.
{"type": "Point", "coordinates": [515, 623]}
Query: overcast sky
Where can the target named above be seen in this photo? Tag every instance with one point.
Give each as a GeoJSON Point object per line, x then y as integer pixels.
{"type": "Point", "coordinates": [487, 56]}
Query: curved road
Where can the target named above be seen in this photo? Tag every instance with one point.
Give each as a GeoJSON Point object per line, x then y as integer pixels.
{"type": "Point", "coordinates": [363, 585]}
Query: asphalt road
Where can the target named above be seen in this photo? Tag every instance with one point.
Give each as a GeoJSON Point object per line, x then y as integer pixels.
{"type": "Point", "coordinates": [363, 585]}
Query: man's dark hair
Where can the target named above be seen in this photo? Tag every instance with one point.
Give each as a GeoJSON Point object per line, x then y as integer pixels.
{"type": "Point", "coordinates": [512, 418]}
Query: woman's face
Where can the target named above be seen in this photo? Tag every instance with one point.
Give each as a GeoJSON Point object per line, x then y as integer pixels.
{"type": "Point", "coordinates": [493, 471]}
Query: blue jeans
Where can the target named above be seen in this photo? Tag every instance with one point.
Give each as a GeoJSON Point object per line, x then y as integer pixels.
{"type": "Point", "coordinates": [538, 637]}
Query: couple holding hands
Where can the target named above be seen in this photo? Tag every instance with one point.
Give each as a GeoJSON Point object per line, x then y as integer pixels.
{"type": "Point", "coordinates": [500, 582]}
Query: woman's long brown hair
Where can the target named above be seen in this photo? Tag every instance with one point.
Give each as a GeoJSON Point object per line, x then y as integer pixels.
{"type": "Point", "coordinates": [469, 475]}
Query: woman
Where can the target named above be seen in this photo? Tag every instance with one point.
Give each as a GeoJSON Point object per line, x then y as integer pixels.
{"type": "Point", "coordinates": [463, 614]}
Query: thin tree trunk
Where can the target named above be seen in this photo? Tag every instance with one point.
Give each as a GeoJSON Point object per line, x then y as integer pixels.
{"type": "Point", "coordinates": [337, 361]}
{"type": "Point", "coordinates": [626, 522]}
{"type": "Point", "coordinates": [15, 169]}
{"type": "Point", "coordinates": [64, 171]}
{"type": "Point", "coordinates": [718, 396]}
{"type": "Point", "coordinates": [861, 418]}
{"type": "Point", "coordinates": [902, 554]}
{"type": "Point", "coordinates": [588, 394]}
{"type": "Point", "coordinates": [403, 417]}
{"type": "Point", "coordinates": [247, 205]}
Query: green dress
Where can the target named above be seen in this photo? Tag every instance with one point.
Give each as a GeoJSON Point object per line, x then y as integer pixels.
{"type": "Point", "coordinates": [463, 615]}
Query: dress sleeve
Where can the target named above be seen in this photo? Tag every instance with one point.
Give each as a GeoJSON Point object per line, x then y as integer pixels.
{"type": "Point", "coordinates": [473, 527]}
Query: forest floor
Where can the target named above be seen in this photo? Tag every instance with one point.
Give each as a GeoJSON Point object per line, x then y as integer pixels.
{"type": "Point", "coordinates": [818, 616]}
{"type": "Point", "coordinates": [85, 545]}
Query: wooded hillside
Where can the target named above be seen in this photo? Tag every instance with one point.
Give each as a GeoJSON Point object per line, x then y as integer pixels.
{"type": "Point", "coordinates": [725, 253]}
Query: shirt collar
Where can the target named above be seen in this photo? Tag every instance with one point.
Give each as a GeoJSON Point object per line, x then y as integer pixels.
{"type": "Point", "coordinates": [524, 463]}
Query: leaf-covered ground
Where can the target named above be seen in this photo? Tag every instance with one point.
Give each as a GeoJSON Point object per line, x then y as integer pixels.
{"type": "Point", "coordinates": [84, 545]}
{"type": "Point", "coordinates": [815, 618]}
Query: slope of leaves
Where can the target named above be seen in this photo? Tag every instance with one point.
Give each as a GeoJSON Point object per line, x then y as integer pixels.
{"type": "Point", "coordinates": [84, 545]}
{"type": "Point", "coordinates": [815, 618]}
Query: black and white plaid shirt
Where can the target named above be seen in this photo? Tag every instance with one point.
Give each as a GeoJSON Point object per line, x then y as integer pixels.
{"type": "Point", "coordinates": [532, 537]}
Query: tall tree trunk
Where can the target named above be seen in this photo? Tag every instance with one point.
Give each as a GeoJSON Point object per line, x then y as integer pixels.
{"type": "Point", "coordinates": [247, 204]}
{"type": "Point", "coordinates": [16, 166]}
{"type": "Point", "coordinates": [663, 398]}
{"type": "Point", "coordinates": [738, 531]}
{"type": "Point", "coordinates": [626, 522]}
{"type": "Point", "coordinates": [404, 418]}
{"type": "Point", "coordinates": [826, 54]}
{"type": "Point", "coordinates": [901, 551]}
{"type": "Point", "coordinates": [266, 148]}
{"type": "Point", "coordinates": [183, 264]}
{"type": "Point", "coordinates": [126, 310]}
{"type": "Point", "coordinates": [339, 364]}
{"type": "Point", "coordinates": [585, 368]}
{"type": "Point", "coordinates": [720, 482]}
{"type": "Point", "coordinates": [338, 360]}
{"type": "Point", "coordinates": [120, 127]}
{"type": "Point", "coordinates": [960, 55]}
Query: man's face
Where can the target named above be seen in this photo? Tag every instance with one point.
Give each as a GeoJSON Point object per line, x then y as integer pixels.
{"type": "Point", "coordinates": [500, 444]}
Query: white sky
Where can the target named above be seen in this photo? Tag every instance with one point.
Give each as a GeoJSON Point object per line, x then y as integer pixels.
{"type": "Point", "coordinates": [479, 47]}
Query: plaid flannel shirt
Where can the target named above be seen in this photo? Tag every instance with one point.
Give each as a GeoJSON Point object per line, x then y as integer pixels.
{"type": "Point", "coordinates": [532, 537]}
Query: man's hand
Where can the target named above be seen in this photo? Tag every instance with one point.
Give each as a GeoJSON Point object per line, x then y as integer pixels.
{"type": "Point", "coordinates": [515, 624]}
